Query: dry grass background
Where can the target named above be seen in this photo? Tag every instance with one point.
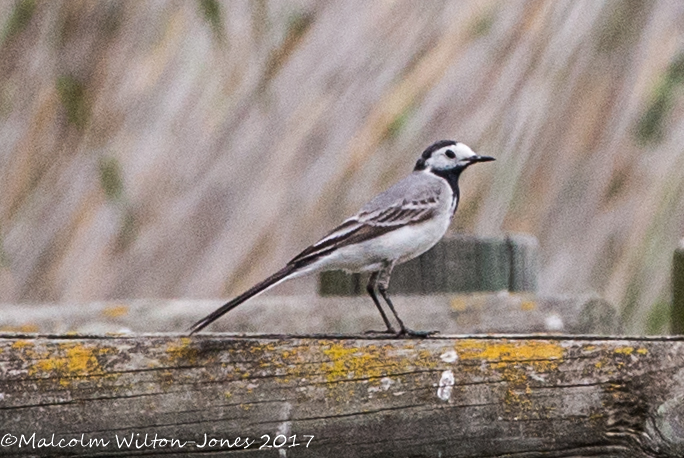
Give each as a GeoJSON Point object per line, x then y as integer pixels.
{"type": "Point", "coordinates": [186, 149]}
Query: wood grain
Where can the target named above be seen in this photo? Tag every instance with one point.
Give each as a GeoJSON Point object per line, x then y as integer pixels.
{"type": "Point", "coordinates": [532, 396]}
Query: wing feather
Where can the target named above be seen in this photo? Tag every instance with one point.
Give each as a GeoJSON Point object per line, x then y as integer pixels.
{"type": "Point", "coordinates": [371, 223]}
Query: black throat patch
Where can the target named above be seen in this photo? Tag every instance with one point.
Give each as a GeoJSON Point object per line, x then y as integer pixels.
{"type": "Point", "coordinates": [451, 176]}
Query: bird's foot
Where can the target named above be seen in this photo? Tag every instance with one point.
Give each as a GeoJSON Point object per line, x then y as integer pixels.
{"type": "Point", "coordinates": [406, 332]}
{"type": "Point", "coordinates": [386, 332]}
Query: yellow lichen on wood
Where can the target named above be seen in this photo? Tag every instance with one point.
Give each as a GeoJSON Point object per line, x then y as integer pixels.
{"type": "Point", "coordinates": [528, 305]}
{"type": "Point", "coordinates": [21, 344]}
{"type": "Point", "coordinates": [353, 362]}
{"type": "Point", "coordinates": [542, 355]}
{"type": "Point", "coordinates": [182, 349]}
{"type": "Point", "coordinates": [624, 350]}
{"type": "Point", "coordinates": [630, 350]}
{"type": "Point", "coordinates": [371, 361]}
{"type": "Point", "coordinates": [74, 361]}
{"type": "Point", "coordinates": [458, 304]}
{"type": "Point", "coordinates": [509, 359]}
{"type": "Point", "coordinates": [115, 311]}
{"type": "Point", "coordinates": [23, 329]}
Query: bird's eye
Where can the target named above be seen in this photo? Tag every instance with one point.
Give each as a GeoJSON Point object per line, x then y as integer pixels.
{"type": "Point", "coordinates": [450, 154]}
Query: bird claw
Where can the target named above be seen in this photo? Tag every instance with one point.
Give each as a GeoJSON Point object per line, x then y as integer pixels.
{"type": "Point", "coordinates": [386, 332]}
{"type": "Point", "coordinates": [406, 332]}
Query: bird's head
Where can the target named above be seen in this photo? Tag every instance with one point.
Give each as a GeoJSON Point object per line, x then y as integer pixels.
{"type": "Point", "coordinates": [447, 155]}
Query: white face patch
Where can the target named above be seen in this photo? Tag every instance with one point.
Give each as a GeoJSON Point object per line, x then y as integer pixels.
{"type": "Point", "coordinates": [449, 157]}
{"type": "Point", "coordinates": [463, 151]}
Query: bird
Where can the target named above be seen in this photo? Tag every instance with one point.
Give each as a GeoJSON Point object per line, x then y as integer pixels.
{"type": "Point", "coordinates": [395, 226]}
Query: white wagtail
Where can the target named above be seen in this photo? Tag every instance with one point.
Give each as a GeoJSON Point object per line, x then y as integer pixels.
{"type": "Point", "coordinates": [396, 226]}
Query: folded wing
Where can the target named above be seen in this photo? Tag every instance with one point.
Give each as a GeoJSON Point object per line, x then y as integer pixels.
{"type": "Point", "coordinates": [383, 214]}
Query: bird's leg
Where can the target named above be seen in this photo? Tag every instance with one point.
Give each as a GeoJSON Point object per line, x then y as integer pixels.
{"type": "Point", "coordinates": [371, 291]}
{"type": "Point", "coordinates": [383, 283]}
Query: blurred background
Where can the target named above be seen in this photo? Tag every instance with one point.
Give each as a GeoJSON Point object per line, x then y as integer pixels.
{"type": "Point", "coordinates": [186, 149]}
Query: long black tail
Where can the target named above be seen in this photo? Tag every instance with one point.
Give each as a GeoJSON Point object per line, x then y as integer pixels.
{"type": "Point", "coordinates": [251, 292]}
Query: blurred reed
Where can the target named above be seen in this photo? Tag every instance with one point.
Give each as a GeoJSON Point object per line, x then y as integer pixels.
{"type": "Point", "coordinates": [186, 149]}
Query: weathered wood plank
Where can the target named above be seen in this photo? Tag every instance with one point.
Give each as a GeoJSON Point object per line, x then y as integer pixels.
{"type": "Point", "coordinates": [524, 268]}
{"type": "Point", "coordinates": [449, 314]}
{"type": "Point", "coordinates": [678, 290]}
{"type": "Point", "coordinates": [458, 263]}
{"type": "Point", "coordinates": [457, 397]}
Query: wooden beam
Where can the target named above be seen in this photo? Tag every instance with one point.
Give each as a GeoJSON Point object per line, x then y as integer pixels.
{"type": "Point", "coordinates": [448, 313]}
{"type": "Point", "coordinates": [536, 396]}
{"type": "Point", "coordinates": [457, 264]}
{"type": "Point", "coordinates": [678, 290]}
{"type": "Point", "coordinates": [524, 268]}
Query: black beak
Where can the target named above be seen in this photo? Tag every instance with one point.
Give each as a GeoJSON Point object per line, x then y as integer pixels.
{"type": "Point", "coordinates": [481, 159]}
